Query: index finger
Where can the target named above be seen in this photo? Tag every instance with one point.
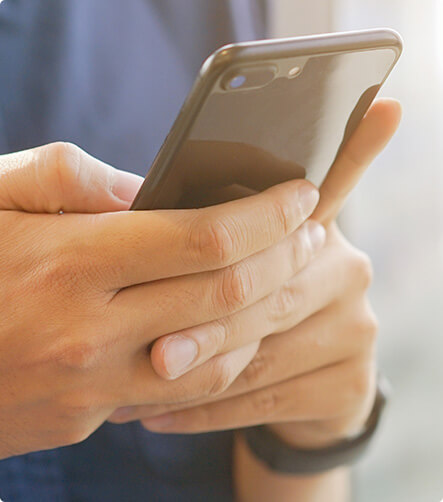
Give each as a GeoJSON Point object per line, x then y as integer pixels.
{"type": "Point", "coordinates": [143, 246]}
{"type": "Point", "coordinates": [369, 139]}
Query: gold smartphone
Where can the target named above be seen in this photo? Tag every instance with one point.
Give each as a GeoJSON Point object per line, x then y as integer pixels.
{"type": "Point", "coordinates": [264, 112]}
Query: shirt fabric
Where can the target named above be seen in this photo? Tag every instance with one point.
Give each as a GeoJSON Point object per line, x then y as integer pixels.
{"type": "Point", "coordinates": [110, 76]}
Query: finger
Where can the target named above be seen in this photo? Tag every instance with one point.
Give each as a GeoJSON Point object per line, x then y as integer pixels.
{"type": "Point", "coordinates": [62, 177]}
{"type": "Point", "coordinates": [208, 296]}
{"type": "Point", "coordinates": [303, 295]}
{"type": "Point", "coordinates": [210, 379]}
{"type": "Point", "coordinates": [320, 341]}
{"type": "Point", "coordinates": [369, 139]}
{"type": "Point", "coordinates": [276, 313]}
{"type": "Point", "coordinates": [329, 393]}
{"type": "Point", "coordinates": [142, 246]}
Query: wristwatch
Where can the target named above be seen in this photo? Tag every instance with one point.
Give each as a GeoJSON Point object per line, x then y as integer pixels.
{"type": "Point", "coordinates": [281, 457]}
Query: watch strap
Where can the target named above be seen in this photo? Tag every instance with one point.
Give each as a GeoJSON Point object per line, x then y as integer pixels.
{"type": "Point", "coordinates": [281, 457]}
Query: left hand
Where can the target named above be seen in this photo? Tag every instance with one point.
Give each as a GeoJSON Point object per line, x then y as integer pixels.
{"type": "Point", "coordinates": [313, 380]}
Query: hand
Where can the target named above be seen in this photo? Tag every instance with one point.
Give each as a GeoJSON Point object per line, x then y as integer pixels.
{"type": "Point", "coordinates": [318, 374]}
{"type": "Point", "coordinates": [83, 295]}
{"type": "Point", "coordinates": [315, 381]}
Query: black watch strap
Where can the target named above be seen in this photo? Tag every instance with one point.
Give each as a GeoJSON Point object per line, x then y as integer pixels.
{"type": "Point", "coordinates": [281, 457]}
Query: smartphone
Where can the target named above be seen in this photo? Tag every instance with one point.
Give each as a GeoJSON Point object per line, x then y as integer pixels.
{"type": "Point", "coordinates": [264, 112]}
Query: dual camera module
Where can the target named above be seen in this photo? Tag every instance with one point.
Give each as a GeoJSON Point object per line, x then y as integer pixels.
{"type": "Point", "coordinates": [256, 77]}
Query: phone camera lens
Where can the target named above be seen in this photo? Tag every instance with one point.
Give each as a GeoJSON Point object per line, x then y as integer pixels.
{"type": "Point", "coordinates": [237, 81]}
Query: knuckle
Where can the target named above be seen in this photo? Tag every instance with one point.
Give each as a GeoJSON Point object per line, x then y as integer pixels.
{"type": "Point", "coordinates": [80, 356]}
{"type": "Point", "coordinates": [220, 380]}
{"type": "Point", "coordinates": [301, 250]}
{"type": "Point", "coordinates": [62, 166]}
{"type": "Point", "coordinates": [220, 332]}
{"type": "Point", "coordinates": [361, 269]}
{"type": "Point", "coordinates": [284, 302]}
{"type": "Point", "coordinates": [364, 327]}
{"type": "Point", "coordinates": [64, 157]}
{"type": "Point", "coordinates": [283, 212]}
{"type": "Point", "coordinates": [257, 370]}
{"type": "Point", "coordinates": [62, 151]}
{"type": "Point", "coordinates": [60, 269]}
{"type": "Point", "coordinates": [361, 381]}
{"type": "Point", "coordinates": [236, 287]}
{"type": "Point", "coordinates": [212, 242]}
{"type": "Point", "coordinates": [265, 403]}
{"type": "Point", "coordinates": [72, 266]}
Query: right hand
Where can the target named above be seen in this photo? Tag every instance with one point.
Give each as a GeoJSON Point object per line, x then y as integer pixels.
{"type": "Point", "coordinates": [84, 293]}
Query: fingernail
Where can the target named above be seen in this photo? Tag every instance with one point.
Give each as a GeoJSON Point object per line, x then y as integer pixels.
{"type": "Point", "coordinates": [125, 185]}
{"type": "Point", "coordinates": [308, 197]}
{"type": "Point", "coordinates": [317, 235]}
{"type": "Point", "coordinates": [160, 422]}
{"type": "Point", "coordinates": [179, 353]}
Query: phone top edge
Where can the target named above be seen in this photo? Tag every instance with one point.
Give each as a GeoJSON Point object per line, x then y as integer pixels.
{"type": "Point", "coordinates": [293, 46]}
{"type": "Point", "coordinates": [382, 35]}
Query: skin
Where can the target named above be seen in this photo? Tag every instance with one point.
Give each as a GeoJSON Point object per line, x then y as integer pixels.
{"type": "Point", "coordinates": [81, 303]}
{"type": "Point", "coordinates": [83, 295]}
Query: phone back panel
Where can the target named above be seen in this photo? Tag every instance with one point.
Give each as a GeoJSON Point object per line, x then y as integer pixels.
{"type": "Point", "coordinates": [264, 113]}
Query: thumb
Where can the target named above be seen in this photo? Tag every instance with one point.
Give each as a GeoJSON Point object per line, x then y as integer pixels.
{"type": "Point", "coordinates": [62, 177]}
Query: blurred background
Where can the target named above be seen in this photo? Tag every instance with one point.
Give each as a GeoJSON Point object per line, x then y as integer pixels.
{"type": "Point", "coordinates": [396, 215]}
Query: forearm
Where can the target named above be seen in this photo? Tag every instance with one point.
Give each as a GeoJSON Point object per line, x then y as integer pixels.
{"type": "Point", "coordinates": [255, 482]}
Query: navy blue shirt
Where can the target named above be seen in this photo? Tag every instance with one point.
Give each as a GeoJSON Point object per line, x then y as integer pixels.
{"type": "Point", "coordinates": [110, 76]}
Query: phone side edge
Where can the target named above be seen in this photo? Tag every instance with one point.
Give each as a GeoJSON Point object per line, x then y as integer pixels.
{"type": "Point", "coordinates": [179, 130]}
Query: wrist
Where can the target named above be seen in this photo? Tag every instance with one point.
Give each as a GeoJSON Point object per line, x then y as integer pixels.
{"type": "Point", "coordinates": [286, 448]}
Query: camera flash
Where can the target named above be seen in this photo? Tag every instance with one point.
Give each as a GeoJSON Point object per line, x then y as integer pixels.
{"type": "Point", "coordinates": [293, 72]}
